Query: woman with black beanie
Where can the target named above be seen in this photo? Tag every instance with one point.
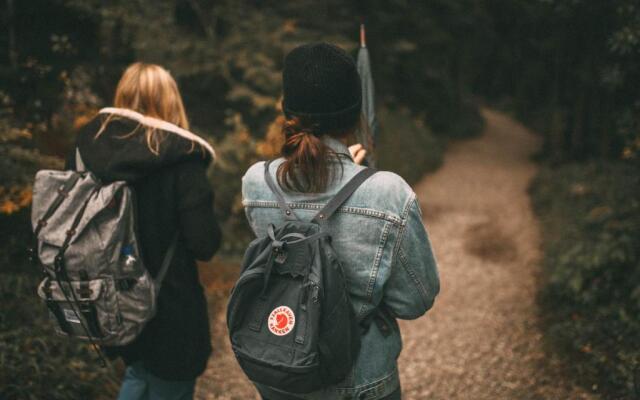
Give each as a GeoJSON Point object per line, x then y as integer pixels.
{"type": "Point", "coordinates": [377, 233]}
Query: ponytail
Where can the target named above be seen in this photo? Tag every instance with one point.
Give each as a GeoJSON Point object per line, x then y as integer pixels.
{"type": "Point", "coordinates": [306, 166]}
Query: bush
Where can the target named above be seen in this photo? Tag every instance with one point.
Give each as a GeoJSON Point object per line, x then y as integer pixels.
{"type": "Point", "coordinates": [466, 123]}
{"type": "Point", "coordinates": [236, 152]}
{"type": "Point", "coordinates": [19, 159]}
{"type": "Point", "coordinates": [590, 217]}
{"type": "Point", "coordinates": [403, 138]}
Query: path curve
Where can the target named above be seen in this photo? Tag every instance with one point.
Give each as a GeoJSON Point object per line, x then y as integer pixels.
{"type": "Point", "coordinates": [482, 339]}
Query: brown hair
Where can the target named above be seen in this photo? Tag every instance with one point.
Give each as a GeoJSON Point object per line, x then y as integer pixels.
{"type": "Point", "coordinates": [306, 167]}
{"type": "Point", "coordinates": [150, 90]}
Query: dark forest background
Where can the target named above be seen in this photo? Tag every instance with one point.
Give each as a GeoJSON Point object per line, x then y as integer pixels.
{"type": "Point", "coordinates": [569, 69]}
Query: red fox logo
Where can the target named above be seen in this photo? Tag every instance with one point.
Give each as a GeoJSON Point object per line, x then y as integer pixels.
{"type": "Point", "coordinates": [281, 321]}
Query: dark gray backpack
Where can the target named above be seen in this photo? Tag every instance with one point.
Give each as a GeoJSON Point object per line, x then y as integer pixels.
{"type": "Point", "coordinates": [95, 283]}
{"type": "Point", "coordinates": [290, 319]}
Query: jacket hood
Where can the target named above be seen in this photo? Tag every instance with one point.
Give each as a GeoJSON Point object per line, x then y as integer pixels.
{"type": "Point", "coordinates": [121, 152]}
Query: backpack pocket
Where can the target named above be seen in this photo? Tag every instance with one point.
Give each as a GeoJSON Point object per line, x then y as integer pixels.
{"type": "Point", "coordinates": [262, 366]}
{"type": "Point", "coordinates": [339, 341]}
{"type": "Point", "coordinates": [89, 312]}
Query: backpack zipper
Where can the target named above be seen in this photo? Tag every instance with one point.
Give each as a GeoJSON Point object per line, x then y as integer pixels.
{"type": "Point", "coordinates": [316, 292]}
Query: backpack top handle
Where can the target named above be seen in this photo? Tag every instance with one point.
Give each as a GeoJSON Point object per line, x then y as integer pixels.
{"type": "Point", "coordinates": [331, 207]}
{"type": "Point", "coordinates": [288, 212]}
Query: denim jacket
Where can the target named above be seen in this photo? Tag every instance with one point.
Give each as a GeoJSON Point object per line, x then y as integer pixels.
{"type": "Point", "coordinates": [387, 257]}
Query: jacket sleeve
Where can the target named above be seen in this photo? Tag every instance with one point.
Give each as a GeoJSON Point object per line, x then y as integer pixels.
{"type": "Point", "coordinates": [198, 223]}
{"type": "Point", "coordinates": [413, 283]}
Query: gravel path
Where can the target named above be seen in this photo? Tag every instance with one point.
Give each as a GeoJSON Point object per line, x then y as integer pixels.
{"type": "Point", "coordinates": [482, 339]}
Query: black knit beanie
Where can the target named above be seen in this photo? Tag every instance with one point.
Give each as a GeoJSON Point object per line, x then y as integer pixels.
{"type": "Point", "coordinates": [322, 86]}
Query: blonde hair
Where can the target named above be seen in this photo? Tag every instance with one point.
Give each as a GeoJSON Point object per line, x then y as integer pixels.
{"type": "Point", "coordinates": [150, 90]}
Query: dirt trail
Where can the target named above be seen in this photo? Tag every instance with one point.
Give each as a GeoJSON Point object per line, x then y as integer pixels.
{"type": "Point", "coordinates": [482, 339]}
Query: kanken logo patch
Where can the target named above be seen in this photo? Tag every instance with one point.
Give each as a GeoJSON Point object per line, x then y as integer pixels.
{"type": "Point", "coordinates": [281, 321]}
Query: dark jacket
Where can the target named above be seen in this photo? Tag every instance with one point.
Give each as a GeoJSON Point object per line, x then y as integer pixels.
{"type": "Point", "coordinates": [173, 194]}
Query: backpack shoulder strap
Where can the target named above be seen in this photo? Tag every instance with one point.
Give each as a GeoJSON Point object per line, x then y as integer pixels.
{"type": "Point", "coordinates": [62, 193]}
{"type": "Point", "coordinates": [168, 257]}
{"type": "Point", "coordinates": [347, 190]}
{"type": "Point", "coordinates": [80, 167]}
{"type": "Point", "coordinates": [288, 212]}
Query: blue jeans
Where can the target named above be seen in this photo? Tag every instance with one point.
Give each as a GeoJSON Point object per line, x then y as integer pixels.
{"type": "Point", "coordinates": [140, 384]}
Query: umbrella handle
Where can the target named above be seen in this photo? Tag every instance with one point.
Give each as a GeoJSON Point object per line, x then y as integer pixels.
{"type": "Point", "coordinates": [363, 36]}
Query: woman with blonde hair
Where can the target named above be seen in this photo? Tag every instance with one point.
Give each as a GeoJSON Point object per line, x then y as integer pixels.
{"type": "Point", "coordinates": [144, 140]}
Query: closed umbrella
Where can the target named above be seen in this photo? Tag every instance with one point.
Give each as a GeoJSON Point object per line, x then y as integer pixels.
{"type": "Point", "coordinates": [367, 133]}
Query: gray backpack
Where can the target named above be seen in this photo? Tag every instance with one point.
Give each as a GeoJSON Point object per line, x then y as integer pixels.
{"type": "Point", "coordinates": [95, 284]}
{"type": "Point", "coordinates": [290, 319]}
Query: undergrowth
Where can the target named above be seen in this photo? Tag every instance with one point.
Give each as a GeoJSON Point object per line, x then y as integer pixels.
{"type": "Point", "coordinates": [590, 217]}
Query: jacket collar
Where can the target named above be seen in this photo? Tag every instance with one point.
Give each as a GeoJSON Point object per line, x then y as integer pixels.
{"type": "Point", "coordinates": [111, 158]}
{"type": "Point", "coordinates": [159, 124]}
{"type": "Point", "coordinates": [340, 148]}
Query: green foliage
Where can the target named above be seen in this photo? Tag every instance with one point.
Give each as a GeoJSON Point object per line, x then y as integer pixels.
{"type": "Point", "coordinates": [19, 159]}
{"type": "Point", "coordinates": [236, 153]}
{"type": "Point", "coordinates": [407, 146]}
{"type": "Point", "coordinates": [227, 56]}
{"type": "Point", "coordinates": [422, 51]}
{"type": "Point", "coordinates": [590, 217]}
{"type": "Point", "coordinates": [570, 68]}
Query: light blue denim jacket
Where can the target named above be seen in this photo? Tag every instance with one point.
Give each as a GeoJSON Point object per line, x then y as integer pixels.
{"type": "Point", "coordinates": [384, 248]}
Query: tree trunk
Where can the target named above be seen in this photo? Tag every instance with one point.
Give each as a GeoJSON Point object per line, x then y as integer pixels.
{"type": "Point", "coordinates": [204, 22]}
{"type": "Point", "coordinates": [605, 126]}
{"type": "Point", "coordinates": [556, 131]}
{"type": "Point", "coordinates": [577, 130]}
{"type": "Point", "coordinates": [13, 54]}
{"type": "Point", "coordinates": [456, 71]}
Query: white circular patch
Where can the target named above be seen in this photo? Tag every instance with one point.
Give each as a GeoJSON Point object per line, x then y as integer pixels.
{"type": "Point", "coordinates": [281, 321]}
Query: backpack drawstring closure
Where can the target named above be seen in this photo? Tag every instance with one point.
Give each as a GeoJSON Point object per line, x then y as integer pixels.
{"type": "Point", "coordinates": [280, 246]}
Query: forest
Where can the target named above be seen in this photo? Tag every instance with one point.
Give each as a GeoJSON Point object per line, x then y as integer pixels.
{"type": "Point", "coordinates": [568, 69]}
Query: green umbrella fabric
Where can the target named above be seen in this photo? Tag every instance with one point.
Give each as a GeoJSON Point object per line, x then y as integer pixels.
{"type": "Point", "coordinates": [367, 133]}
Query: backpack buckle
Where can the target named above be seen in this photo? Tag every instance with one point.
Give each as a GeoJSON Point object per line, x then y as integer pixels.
{"type": "Point", "coordinates": [122, 285]}
{"type": "Point", "coordinates": [279, 249]}
{"type": "Point", "coordinates": [58, 263]}
{"type": "Point", "coordinates": [62, 191]}
{"type": "Point", "coordinates": [85, 292]}
{"type": "Point", "coordinates": [279, 246]}
{"type": "Point", "coordinates": [281, 257]}
{"type": "Point", "coordinates": [32, 254]}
